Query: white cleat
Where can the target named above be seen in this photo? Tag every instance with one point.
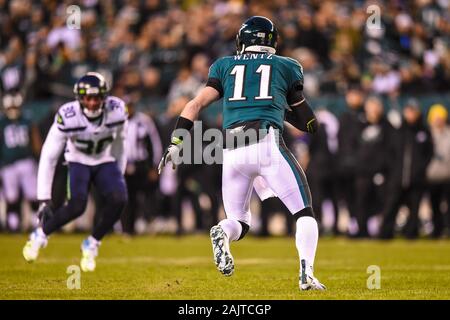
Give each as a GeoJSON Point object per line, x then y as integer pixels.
{"type": "Point", "coordinates": [37, 241]}
{"type": "Point", "coordinates": [221, 251]}
{"type": "Point", "coordinates": [307, 280]}
{"type": "Point", "coordinates": [89, 251]}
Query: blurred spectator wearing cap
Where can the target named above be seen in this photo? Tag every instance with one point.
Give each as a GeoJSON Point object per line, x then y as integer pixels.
{"type": "Point", "coordinates": [438, 171]}
{"type": "Point", "coordinates": [144, 150]}
{"type": "Point", "coordinates": [350, 124]}
{"type": "Point", "coordinates": [412, 151]}
{"type": "Point", "coordinates": [19, 143]}
{"type": "Point", "coordinates": [372, 155]}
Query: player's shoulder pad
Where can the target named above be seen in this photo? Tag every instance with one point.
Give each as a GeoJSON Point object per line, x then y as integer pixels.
{"type": "Point", "coordinates": [223, 59]}
{"type": "Point", "coordinates": [292, 63]}
{"type": "Point", "coordinates": [116, 111]}
{"type": "Point", "coordinates": [69, 117]}
{"type": "Point", "coordinates": [214, 66]}
{"type": "Point", "coordinates": [221, 62]}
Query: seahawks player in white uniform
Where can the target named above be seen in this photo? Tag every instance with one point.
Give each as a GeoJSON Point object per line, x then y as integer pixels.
{"type": "Point", "coordinates": [92, 130]}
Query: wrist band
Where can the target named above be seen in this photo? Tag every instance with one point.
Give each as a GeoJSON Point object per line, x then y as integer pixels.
{"type": "Point", "coordinates": [182, 123]}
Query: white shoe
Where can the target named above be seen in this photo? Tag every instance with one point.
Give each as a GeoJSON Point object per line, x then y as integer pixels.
{"type": "Point", "coordinates": [89, 251]}
{"type": "Point", "coordinates": [221, 251]}
{"type": "Point", "coordinates": [37, 241]}
{"type": "Point", "coordinates": [307, 280]}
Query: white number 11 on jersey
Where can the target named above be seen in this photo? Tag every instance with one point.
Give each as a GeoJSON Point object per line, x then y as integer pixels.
{"type": "Point", "coordinates": [264, 84]}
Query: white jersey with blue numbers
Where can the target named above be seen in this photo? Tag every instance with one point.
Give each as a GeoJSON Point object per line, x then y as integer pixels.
{"type": "Point", "coordinates": [87, 142]}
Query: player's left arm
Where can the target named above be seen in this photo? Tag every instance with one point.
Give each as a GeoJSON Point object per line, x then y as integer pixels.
{"type": "Point", "coordinates": [204, 98]}
{"type": "Point", "coordinates": [300, 114]}
{"type": "Point", "coordinates": [118, 148]}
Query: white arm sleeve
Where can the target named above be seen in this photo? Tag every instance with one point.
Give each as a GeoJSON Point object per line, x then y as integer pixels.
{"type": "Point", "coordinates": [118, 147]}
{"type": "Point", "coordinates": [51, 150]}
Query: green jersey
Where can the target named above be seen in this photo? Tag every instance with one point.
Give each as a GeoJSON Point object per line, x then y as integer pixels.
{"type": "Point", "coordinates": [254, 86]}
{"type": "Point", "coordinates": [15, 140]}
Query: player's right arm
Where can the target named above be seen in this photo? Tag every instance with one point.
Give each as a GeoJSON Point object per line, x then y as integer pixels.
{"type": "Point", "coordinates": [210, 93]}
{"type": "Point", "coordinates": [206, 96]}
{"type": "Point", "coordinates": [51, 150]}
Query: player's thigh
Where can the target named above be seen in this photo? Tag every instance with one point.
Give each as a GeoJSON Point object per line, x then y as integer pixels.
{"type": "Point", "coordinates": [79, 178]}
{"type": "Point", "coordinates": [288, 180]}
{"type": "Point", "coordinates": [10, 183]}
{"type": "Point", "coordinates": [237, 185]}
{"type": "Point", "coordinates": [28, 178]}
{"type": "Point", "coordinates": [108, 179]}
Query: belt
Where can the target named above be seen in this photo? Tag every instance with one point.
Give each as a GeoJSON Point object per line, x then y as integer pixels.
{"type": "Point", "coordinates": [246, 133]}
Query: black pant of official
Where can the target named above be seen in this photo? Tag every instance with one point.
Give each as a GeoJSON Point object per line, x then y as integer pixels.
{"type": "Point", "coordinates": [347, 190]}
{"type": "Point", "coordinates": [397, 196]}
{"type": "Point", "coordinates": [323, 188]}
{"type": "Point", "coordinates": [141, 197]}
{"type": "Point", "coordinates": [440, 192]}
{"type": "Point", "coordinates": [369, 201]}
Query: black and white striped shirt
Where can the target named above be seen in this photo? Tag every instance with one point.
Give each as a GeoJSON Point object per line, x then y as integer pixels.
{"type": "Point", "coordinates": [143, 140]}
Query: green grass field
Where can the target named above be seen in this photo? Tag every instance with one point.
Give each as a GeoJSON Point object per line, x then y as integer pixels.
{"type": "Point", "coordinates": [166, 267]}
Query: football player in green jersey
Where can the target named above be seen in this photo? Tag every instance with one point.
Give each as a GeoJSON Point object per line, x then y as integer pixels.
{"type": "Point", "coordinates": [19, 142]}
{"type": "Point", "coordinates": [260, 90]}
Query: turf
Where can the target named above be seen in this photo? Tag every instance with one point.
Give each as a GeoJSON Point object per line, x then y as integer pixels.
{"type": "Point", "coordinates": [163, 267]}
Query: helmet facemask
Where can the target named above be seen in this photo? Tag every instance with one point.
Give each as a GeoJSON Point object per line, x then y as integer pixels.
{"type": "Point", "coordinates": [92, 99]}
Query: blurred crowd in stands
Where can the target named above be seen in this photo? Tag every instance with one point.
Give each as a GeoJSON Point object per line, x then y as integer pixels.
{"type": "Point", "coordinates": [365, 163]}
